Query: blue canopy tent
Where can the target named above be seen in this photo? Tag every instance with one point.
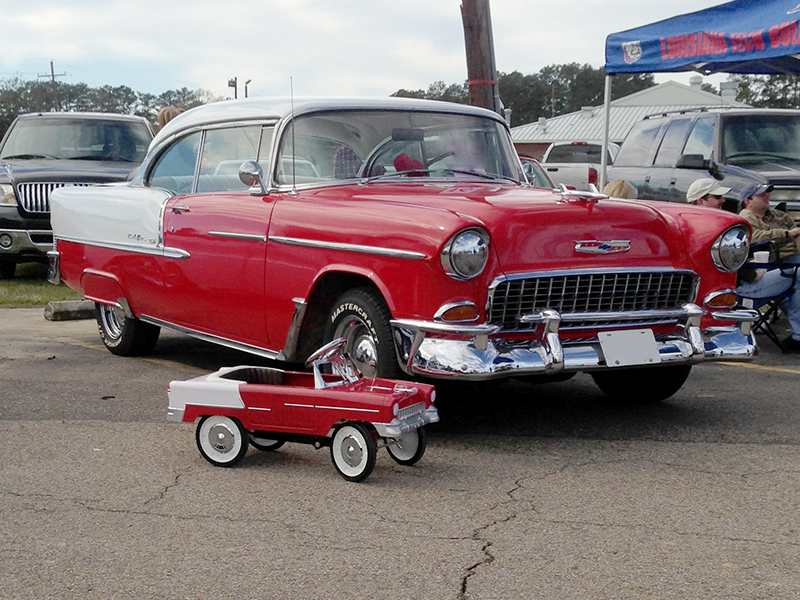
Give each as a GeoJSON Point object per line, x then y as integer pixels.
{"type": "Point", "coordinates": [743, 36]}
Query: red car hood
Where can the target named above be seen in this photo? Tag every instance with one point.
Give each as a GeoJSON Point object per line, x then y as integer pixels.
{"type": "Point", "coordinates": [542, 230]}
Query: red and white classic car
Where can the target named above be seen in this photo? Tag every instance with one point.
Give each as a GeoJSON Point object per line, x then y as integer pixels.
{"type": "Point", "coordinates": [265, 407]}
{"type": "Point", "coordinates": [408, 228]}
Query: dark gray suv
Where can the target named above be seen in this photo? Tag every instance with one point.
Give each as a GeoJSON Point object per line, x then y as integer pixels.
{"type": "Point", "coordinates": [44, 151]}
{"type": "Point", "coordinates": [663, 154]}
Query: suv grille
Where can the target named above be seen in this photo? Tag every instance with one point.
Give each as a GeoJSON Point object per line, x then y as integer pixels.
{"type": "Point", "coordinates": [35, 197]}
{"type": "Point", "coordinates": [589, 293]}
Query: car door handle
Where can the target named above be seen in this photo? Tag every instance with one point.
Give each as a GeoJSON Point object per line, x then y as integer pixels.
{"type": "Point", "coordinates": [180, 209]}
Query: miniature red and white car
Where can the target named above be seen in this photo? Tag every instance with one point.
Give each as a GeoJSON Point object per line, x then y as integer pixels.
{"type": "Point", "coordinates": [265, 407]}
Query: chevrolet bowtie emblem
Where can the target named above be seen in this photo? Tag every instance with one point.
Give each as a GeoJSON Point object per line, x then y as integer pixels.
{"type": "Point", "coordinates": [601, 247]}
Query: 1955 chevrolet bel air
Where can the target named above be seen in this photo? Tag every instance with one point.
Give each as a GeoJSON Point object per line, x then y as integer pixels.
{"type": "Point", "coordinates": [408, 228]}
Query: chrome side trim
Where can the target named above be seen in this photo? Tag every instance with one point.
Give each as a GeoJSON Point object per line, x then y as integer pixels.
{"type": "Point", "coordinates": [207, 337]}
{"type": "Point", "coordinates": [238, 236]}
{"type": "Point", "coordinates": [377, 250]}
{"type": "Point", "coordinates": [136, 249]}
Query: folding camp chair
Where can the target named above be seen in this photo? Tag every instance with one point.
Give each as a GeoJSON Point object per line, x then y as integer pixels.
{"type": "Point", "coordinates": [769, 308]}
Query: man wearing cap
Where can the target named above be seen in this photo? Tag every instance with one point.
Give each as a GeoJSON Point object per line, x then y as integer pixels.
{"type": "Point", "coordinates": [752, 283]}
{"type": "Point", "coordinates": [769, 224]}
{"type": "Point", "coordinates": [706, 192]}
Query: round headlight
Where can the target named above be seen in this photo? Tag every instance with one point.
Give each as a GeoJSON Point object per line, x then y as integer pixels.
{"type": "Point", "coordinates": [730, 250]}
{"type": "Point", "coordinates": [464, 256]}
{"type": "Point", "coordinates": [7, 194]}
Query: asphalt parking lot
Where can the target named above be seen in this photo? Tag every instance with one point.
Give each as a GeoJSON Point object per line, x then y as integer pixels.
{"type": "Point", "coordinates": [526, 491]}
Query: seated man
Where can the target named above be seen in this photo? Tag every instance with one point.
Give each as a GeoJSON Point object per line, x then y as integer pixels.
{"type": "Point", "coordinates": [759, 284]}
{"type": "Point", "coordinates": [769, 224]}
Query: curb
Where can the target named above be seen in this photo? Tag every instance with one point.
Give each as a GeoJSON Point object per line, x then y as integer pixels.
{"type": "Point", "coordinates": [70, 310]}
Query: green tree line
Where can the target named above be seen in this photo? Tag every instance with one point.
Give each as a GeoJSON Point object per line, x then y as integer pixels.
{"type": "Point", "coordinates": [19, 96]}
{"type": "Point", "coordinates": [554, 90]}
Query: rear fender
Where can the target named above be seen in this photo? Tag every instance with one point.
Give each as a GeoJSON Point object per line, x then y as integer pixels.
{"type": "Point", "coordinates": [105, 288]}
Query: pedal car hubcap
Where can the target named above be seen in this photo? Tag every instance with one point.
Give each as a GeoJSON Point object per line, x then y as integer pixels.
{"type": "Point", "coordinates": [221, 438]}
{"type": "Point", "coordinates": [351, 451]}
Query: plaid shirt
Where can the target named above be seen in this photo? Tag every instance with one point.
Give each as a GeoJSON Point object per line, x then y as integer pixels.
{"type": "Point", "coordinates": [773, 226]}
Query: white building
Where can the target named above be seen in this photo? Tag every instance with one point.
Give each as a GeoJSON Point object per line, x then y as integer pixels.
{"type": "Point", "coordinates": [587, 124]}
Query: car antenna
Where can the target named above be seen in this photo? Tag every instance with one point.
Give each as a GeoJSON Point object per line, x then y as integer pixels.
{"type": "Point", "coordinates": [294, 181]}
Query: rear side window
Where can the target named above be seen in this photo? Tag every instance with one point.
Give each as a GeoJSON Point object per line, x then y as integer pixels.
{"type": "Point", "coordinates": [224, 150]}
{"type": "Point", "coordinates": [701, 139]}
{"type": "Point", "coordinates": [635, 152]}
{"type": "Point", "coordinates": [672, 143]}
{"type": "Point", "coordinates": [175, 168]}
{"type": "Point", "coordinates": [576, 153]}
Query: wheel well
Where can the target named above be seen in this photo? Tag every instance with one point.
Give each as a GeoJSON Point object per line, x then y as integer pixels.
{"type": "Point", "coordinates": [324, 294]}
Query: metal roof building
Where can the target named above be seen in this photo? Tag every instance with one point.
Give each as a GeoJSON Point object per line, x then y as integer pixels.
{"type": "Point", "coordinates": [587, 124]}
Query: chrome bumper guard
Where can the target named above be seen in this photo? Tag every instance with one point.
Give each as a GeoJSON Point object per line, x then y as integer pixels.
{"type": "Point", "coordinates": [476, 352]}
{"type": "Point", "coordinates": [53, 267]}
{"type": "Point", "coordinates": [175, 415]}
{"type": "Point", "coordinates": [395, 428]}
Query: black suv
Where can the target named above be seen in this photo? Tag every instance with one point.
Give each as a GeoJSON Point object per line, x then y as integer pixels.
{"type": "Point", "coordinates": [663, 154]}
{"type": "Point", "coordinates": [41, 152]}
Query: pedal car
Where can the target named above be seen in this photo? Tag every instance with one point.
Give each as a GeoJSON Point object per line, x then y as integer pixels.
{"type": "Point", "coordinates": [331, 406]}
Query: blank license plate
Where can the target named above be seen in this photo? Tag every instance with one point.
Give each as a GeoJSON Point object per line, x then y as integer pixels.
{"type": "Point", "coordinates": [630, 347]}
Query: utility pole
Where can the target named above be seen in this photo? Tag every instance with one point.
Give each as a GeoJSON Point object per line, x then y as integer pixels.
{"type": "Point", "coordinates": [481, 69]}
{"type": "Point", "coordinates": [245, 87]}
{"type": "Point", "coordinates": [234, 84]}
{"type": "Point", "coordinates": [52, 77]}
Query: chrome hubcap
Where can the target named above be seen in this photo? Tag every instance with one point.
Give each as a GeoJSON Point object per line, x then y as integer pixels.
{"type": "Point", "coordinates": [351, 451]}
{"type": "Point", "coordinates": [112, 320]}
{"type": "Point", "coordinates": [221, 438]}
{"type": "Point", "coordinates": [360, 344]}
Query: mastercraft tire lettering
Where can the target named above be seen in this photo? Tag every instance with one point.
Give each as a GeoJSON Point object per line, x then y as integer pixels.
{"type": "Point", "coordinates": [362, 318]}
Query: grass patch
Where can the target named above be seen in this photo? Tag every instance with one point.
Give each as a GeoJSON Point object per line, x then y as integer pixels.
{"type": "Point", "coordinates": [30, 287]}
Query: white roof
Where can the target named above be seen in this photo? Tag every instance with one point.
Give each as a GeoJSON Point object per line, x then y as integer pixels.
{"type": "Point", "coordinates": [261, 109]}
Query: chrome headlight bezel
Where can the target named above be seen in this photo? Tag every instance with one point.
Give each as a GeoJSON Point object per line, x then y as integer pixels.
{"type": "Point", "coordinates": [730, 250]}
{"type": "Point", "coordinates": [465, 255]}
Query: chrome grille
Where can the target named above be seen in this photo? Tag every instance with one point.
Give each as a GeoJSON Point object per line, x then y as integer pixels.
{"type": "Point", "coordinates": [589, 293]}
{"type": "Point", "coordinates": [410, 411]}
{"type": "Point", "coordinates": [35, 197]}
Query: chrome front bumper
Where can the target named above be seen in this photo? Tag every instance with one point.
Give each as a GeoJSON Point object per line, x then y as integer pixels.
{"type": "Point", "coordinates": [476, 352]}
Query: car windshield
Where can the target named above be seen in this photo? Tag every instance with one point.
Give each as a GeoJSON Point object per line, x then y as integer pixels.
{"type": "Point", "coordinates": [76, 139]}
{"type": "Point", "coordinates": [387, 145]}
{"type": "Point", "coordinates": [753, 138]}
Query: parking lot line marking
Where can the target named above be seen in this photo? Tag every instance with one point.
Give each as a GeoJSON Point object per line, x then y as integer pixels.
{"type": "Point", "coordinates": [762, 368]}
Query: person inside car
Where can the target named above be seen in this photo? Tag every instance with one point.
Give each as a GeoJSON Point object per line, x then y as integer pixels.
{"type": "Point", "coordinates": [769, 224]}
{"type": "Point", "coordinates": [751, 283]}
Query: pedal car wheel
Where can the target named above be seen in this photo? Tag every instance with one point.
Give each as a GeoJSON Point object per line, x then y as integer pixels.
{"type": "Point", "coordinates": [409, 447]}
{"type": "Point", "coordinates": [353, 451]}
{"type": "Point", "coordinates": [265, 444]}
{"type": "Point", "coordinates": [221, 441]}
{"type": "Point", "coordinates": [122, 335]}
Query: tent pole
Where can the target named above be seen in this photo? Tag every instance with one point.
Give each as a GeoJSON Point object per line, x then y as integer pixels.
{"type": "Point", "coordinates": [606, 113]}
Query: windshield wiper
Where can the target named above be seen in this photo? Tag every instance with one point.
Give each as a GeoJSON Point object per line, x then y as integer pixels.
{"type": "Point", "coordinates": [483, 175]}
{"type": "Point", "coordinates": [409, 173]}
{"type": "Point", "coordinates": [754, 154]}
{"type": "Point", "coordinates": [28, 156]}
{"type": "Point", "coordinates": [95, 157]}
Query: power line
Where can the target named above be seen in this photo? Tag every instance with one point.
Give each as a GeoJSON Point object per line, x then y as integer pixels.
{"type": "Point", "coordinates": [52, 77]}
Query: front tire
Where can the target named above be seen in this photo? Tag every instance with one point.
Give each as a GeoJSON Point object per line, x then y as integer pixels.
{"type": "Point", "coordinates": [409, 447]}
{"type": "Point", "coordinates": [7, 269]}
{"type": "Point", "coordinates": [362, 318]}
{"type": "Point", "coordinates": [642, 386]}
{"type": "Point", "coordinates": [122, 335]}
{"type": "Point", "coordinates": [221, 440]}
{"type": "Point", "coordinates": [353, 451]}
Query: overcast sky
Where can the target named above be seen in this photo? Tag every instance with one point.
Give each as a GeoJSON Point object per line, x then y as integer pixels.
{"type": "Point", "coordinates": [324, 47]}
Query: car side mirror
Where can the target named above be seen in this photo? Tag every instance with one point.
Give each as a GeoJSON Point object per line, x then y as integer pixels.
{"type": "Point", "coordinates": [714, 170]}
{"type": "Point", "coordinates": [252, 175]}
{"type": "Point", "coordinates": [691, 161]}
